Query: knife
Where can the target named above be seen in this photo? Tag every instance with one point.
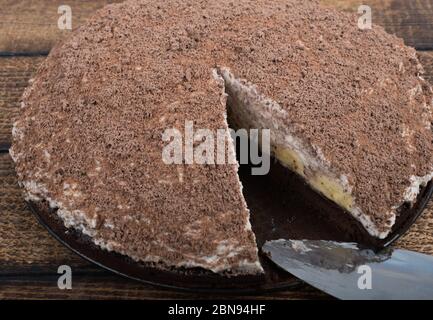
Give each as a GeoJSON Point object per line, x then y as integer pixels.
{"type": "Point", "coordinates": [348, 272]}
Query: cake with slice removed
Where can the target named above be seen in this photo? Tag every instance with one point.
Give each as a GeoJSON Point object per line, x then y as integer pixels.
{"type": "Point", "coordinates": [347, 108]}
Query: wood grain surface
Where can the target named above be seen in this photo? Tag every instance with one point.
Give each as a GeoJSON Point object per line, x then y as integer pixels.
{"type": "Point", "coordinates": [30, 27]}
{"type": "Point", "coordinates": [14, 75]}
{"type": "Point", "coordinates": [29, 256]}
{"type": "Point", "coordinates": [411, 20]}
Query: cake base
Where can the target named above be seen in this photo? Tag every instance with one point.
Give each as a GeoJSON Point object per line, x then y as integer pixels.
{"type": "Point", "coordinates": [285, 208]}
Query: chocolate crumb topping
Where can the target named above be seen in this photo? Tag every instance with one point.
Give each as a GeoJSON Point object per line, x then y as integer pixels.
{"type": "Point", "coordinates": [89, 137]}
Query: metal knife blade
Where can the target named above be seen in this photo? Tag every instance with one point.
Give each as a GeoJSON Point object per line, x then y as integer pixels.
{"type": "Point", "coordinates": [347, 272]}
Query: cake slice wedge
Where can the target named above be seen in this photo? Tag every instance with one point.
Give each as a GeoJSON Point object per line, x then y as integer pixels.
{"type": "Point", "coordinates": [90, 142]}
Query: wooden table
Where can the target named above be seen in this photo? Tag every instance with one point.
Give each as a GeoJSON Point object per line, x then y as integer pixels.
{"type": "Point", "coordinates": [29, 257]}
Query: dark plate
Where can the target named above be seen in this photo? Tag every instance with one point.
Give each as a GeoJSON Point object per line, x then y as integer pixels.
{"type": "Point", "coordinates": [281, 205]}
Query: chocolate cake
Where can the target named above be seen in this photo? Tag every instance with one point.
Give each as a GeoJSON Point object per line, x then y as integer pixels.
{"type": "Point", "coordinates": [348, 110]}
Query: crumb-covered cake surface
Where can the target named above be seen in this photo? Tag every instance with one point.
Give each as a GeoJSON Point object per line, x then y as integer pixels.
{"type": "Point", "coordinates": [89, 137]}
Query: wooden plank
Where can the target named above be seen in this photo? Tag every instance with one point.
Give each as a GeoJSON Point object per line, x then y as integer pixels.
{"type": "Point", "coordinates": [411, 20]}
{"type": "Point", "coordinates": [14, 75]}
{"type": "Point", "coordinates": [119, 288]}
{"type": "Point", "coordinates": [420, 236]}
{"type": "Point", "coordinates": [22, 240]}
{"type": "Point", "coordinates": [30, 26]}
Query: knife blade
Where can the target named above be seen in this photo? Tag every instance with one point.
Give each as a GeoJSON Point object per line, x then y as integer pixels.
{"type": "Point", "coordinates": [348, 272]}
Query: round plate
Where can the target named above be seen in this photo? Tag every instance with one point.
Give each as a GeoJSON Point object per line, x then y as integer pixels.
{"type": "Point", "coordinates": [281, 206]}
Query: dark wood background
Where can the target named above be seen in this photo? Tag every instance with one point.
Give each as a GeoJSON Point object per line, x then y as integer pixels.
{"type": "Point", "coordinates": [29, 257]}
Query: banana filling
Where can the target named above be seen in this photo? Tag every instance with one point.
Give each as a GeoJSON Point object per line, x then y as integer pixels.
{"type": "Point", "coordinates": [326, 185]}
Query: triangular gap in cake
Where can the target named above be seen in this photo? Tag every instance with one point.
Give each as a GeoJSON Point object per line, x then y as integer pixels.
{"type": "Point", "coordinates": [246, 268]}
{"type": "Point", "coordinates": [248, 109]}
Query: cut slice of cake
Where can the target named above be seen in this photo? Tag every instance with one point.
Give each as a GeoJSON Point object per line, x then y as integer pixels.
{"type": "Point", "coordinates": [347, 108]}
{"type": "Point", "coordinates": [89, 141]}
